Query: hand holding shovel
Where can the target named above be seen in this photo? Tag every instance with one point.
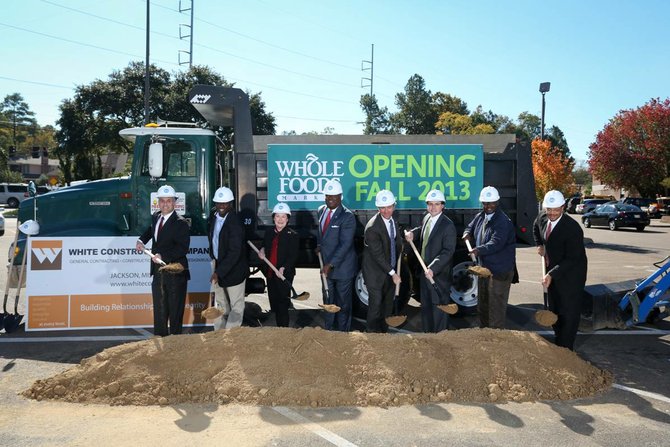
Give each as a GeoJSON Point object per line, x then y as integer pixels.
{"type": "Point", "coordinates": [330, 308]}
{"type": "Point", "coordinates": [294, 295]}
{"type": "Point", "coordinates": [396, 320]}
{"type": "Point", "coordinates": [476, 269]}
{"type": "Point", "coordinates": [545, 317]}
{"type": "Point", "coordinates": [450, 308]}
{"type": "Point", "coordinates": [173, 267]}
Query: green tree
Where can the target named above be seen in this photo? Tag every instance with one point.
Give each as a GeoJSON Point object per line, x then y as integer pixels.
{"type": "Point", "coordinates": [416, 113]}
{"type": "Point", "coordinates": [18, 123]}
{"type": "Point", "coordinates": [377, 120]}
{"type": "Point", "coordinates": [444, 102]}
{"type": "Point", "coordinates": [90, 121]}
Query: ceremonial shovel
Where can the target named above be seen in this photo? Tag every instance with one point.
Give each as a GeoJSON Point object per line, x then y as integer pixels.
{"type": "Point", "coordinates": [173, 267]}
{"type": "Point", "coordinates": [330, 308]}
{"type": "Point", "coordinates": [450, 308]}
{"type": "Point", "coordinates": [545, 317]}
{"type": "Point", "coordinates": [477, 269]}
{"type": "Point", "coordinates": [294, 295]}
{"type": "Point", "coordinates": [396, 320]}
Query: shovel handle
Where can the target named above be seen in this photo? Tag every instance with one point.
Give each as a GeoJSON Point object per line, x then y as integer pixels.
{"type": "Point", "coordinates": [151, 255]}
{"type": "Point", "coordinates": [267, 261]}
{"type": "Point", "coordinates": [397, 270]}
{"type": "Point", "coordinates": [323, 275]}
{"type": "Point", "coordinates": [423, 264]}
{"type": "Point", "coordinates": [472, 256]}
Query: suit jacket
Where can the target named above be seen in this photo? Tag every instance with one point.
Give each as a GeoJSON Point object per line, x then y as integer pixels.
{"type": "Point", "coordinates": [497, 249]}
{"type": "Point", "coordinates": [337, 244]}
{"type": "Point", "coordinates": [287, 250]}
{"type": "Point", "coordinates": [440, 248]}
{"type": "Point", "coordinates": [567, 256]}
{"type": "Point", "coordinates": [173, 242]}
{"type": "Point", "coordinates": [231, 263]}
{"type": "Point", "coordinates": [377, 251]}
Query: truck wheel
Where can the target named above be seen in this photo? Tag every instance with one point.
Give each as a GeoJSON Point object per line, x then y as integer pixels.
{"type": "Point", "coordinates": [12, 202]}
{"type": "Point", "coordinates": [613, 225]}
{"type": "Point", "coordinates": [360, 294]}
{"type": "Point", "coordinates": [587, 222]}
{"type": "Point", "coordinates": [464, 288]}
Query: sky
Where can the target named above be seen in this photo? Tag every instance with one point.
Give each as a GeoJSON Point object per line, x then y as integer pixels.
{"type": "Point", "coordinates": [305, 56]}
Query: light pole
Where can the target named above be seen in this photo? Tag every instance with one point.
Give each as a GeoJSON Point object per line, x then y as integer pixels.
{"type": "Point", "coordinates": [544, 88]}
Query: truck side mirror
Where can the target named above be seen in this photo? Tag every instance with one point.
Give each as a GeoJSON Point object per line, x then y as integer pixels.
{"type": "Point", "coordinates": [156, 160]}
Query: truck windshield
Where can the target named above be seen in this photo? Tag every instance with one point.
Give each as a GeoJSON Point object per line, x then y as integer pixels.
{"type": "Point", "coordinates": [178, 159]}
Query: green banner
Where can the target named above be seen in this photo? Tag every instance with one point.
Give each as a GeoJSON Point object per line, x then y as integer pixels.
{"type": "Point", "coordinates": [297, 173]}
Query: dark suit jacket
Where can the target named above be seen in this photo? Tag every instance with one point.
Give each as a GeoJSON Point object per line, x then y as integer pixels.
{"type": "Point", "coordinates": [231, 263]}
{"type": "Point", "coordinates": [287, 250]}
{"type": "Point", "coordinates": [440, 249]}
{"type": "Point", "coordinates": [377, 251]}
{"type": "Point", "coordinates": [173, 242]}
{"type": "Point", "coordinates": [337, 245]}
{"type": "Point", "coordinates": [567, 256]}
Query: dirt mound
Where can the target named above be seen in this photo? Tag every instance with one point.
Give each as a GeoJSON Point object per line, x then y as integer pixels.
{"type": "Point", "coordinates": [313, 367]}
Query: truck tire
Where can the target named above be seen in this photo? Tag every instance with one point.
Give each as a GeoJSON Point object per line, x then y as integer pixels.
{"type": "Point", "coordinates": [360, 293]}
{"type": "Point", "coordinates": [464, 288]}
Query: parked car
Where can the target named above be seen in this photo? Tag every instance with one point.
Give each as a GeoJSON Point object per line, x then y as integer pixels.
{"type": "Point", "coordinates": [571, 204]}
{"type": "Point", "coordinates": [589, 205]}
{"type": "Point", "coordinates": [12, 193]}
{"type": "Point", "coordinates": [660, 207]}
{"type": "Point", "coordinates": [2, 223]}
{"type": "Point", "coordinates": [616, 215]}
{"type": "Point", "coordinates": [641, 202]}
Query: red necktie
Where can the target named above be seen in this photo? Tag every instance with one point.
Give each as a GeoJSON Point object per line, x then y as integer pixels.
{"type": "Point", "coordinates": [546, 235]}
{"type": "Point", "coordinates": [160, 227]}
{"type": "Point", "coordinates": [326, 222]}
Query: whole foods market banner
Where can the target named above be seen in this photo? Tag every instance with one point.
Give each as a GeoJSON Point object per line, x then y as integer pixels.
{"type": "Point", "coordinates": [297, 173]}
{"type": "Point", "coordinates": [102, 282]}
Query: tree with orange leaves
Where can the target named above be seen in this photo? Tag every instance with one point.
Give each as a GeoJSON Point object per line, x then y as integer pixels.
{"type": "Point", "coordinates": [551, 168]}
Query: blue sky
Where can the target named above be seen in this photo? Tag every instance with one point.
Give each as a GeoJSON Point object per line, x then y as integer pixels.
{"type": "Point", "coordinates": [305, 56]}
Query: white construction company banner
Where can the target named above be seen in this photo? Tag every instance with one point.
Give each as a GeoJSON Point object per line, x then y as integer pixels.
{"type": "Point", "coordinates": [102, 282]}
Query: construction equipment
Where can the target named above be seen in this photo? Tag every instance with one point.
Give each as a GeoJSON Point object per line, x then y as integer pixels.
{"type": "Point", "coordinates": [642, 301]}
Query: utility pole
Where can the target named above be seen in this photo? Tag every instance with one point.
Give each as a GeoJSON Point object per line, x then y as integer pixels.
{"type": "Point", "coordinates": [146, 73]}
{"type": "Point", "coordinates": [189, 35]}
{"type": "Point", "coordinates": [370, 66]}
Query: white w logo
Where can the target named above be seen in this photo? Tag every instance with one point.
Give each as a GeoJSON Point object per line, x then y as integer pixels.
{"type": "Point", "coordinates": [46, 253]}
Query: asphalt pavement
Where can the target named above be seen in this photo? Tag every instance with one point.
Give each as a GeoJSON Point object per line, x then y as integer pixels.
{"type": "Point", "coordinates": [636, 410]}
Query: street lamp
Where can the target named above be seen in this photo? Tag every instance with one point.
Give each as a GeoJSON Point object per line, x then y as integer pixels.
{"type": "Point", "coordinates": [544, 88]}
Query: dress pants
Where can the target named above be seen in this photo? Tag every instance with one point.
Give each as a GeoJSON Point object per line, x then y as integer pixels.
{"type": "Point", "coordinates": [492, 297]}
{"type": "Point", "coordinates": [380, 305]}
{"type": "Point", "coordinates": [432, 318]}
{"type": "Point", "coordinates": [340, 294]}
{"type": "Point", "coordinates": [279, 294]}
{"type": "Point", "coordinates": [168, 291]}
{"type": "Point", "coordinates": [231, 300]}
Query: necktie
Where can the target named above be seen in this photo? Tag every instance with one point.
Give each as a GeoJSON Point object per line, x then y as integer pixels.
{"type": "Point", "coordinates": [546, 235]}
{"type": "Point", "coordinates": [392, 237]}
{"type": "Point", "coordinates": [424, 238]}
{"type": "Point", "coordinates": [160, 227]}
{"type": "Point", "coordinates": [326, 222]}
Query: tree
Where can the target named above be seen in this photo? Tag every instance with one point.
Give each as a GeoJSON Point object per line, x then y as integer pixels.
{"type": "Point", "coordinates": [90, 122]}
{"type": "Point", "coordinates": [18, 123]}
{"type": "Point", "coordinates": [633, 149]}
{"type": "Point", "coordinates": [416, 114]}
{"type": "Point", "coordinates": [453, 123]}
{"type": "Point", "coordinates": [529, 126]}
{"type": "Point", "coordinates": [552, 170]}
{"type": "Point", "coordinates": [444, 102]}
{"type": "Point", "coordinates": [377, 119]}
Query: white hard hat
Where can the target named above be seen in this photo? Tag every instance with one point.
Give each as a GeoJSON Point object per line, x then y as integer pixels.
{"type": "Point", "coordinates": [384, 198]}
{"type": "Point", "coordinates": [553, 199]}
{"type": "Point", "coordinates": [223, 195]}
{"type": "Point", "coordinates": [332, 188]}
{"type": "Point", "coordinates": [281, 208]}
{"type": "Point", "coordinates": [489, 194]}
{"type": "Point", "coordinates": [166, 191]}
{"type": "Point", "coordinates": [29, 227]}
{"type": "Point", "coordinates": [435, 195]}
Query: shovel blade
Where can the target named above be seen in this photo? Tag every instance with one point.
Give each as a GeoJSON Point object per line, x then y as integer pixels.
{"type": "Point", "coordinates": [546, 318]}
{"type": "Point", "coordinates": [396, 320]}
{"type": "Point", "coordinates": [330, 308]}
{"type": "Point", "coordinates": [480, 271]}
{"type": "Point", "coordinates": [301, 297]}
{"type": "Point", "coordinates": [12, 322]}
{"type": "Point", "coordinates": [451, 308]}
{"type": "Point", "coordinates": [211, 313]}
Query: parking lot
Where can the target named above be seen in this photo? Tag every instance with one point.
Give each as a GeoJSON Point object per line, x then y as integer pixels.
{"type": "Point", "coordinates": [636, 410]}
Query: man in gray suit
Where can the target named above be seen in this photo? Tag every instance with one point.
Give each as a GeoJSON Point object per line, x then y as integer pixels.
{"type": "Point", "coordinates": [335, 242]}
{"type": "Point", "coordinates": [437, 237]}
{"type": "Point", "coordinates": [380, 254]}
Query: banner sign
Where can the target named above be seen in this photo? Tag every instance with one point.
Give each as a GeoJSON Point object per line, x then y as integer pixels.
{"type": "Point", "coordinates": [103, 282]}
{"type": "Point", "coordinates": [298, 173]}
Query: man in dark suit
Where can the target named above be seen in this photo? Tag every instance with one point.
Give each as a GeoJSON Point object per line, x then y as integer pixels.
{"type": "Point", "coordinates": [227, 248]}
{"type": "Point", "coordinates": [335, 242]}
{"type": "Point", "coordinates": [560, 239]}
{"type": "Point", "coordinates": [380, 254]}
{"type": "Point", "coordinates": [437, 237]}
{"type": "Point", "coordinates": [170, 236]}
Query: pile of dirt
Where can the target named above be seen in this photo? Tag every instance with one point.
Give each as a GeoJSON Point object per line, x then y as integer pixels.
{"type": "Point", "coordinates": [318, 368]}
